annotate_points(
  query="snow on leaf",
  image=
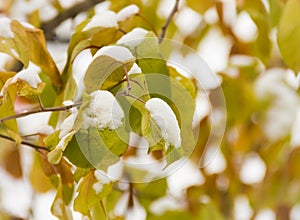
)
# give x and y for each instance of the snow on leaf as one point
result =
(119, 53)
(165, 118)
(133, 38)
(127, 12)
(102, 180)
(29, 75)
(103, 111)
(106, 19)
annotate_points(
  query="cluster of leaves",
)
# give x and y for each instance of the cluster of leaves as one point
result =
(72, 161)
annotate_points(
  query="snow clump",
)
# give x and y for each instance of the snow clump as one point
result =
(103, 111)
(165, 118)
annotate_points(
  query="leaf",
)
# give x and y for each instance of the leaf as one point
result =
(258, 13)
(31, 45)
(200, 5)
(104, 72)
(87, 197)
(12, 162)
(59, 208)
(95, 149)
(39, 181)
(148, 56)
(75, 156)
(63, 169)
(289, 34)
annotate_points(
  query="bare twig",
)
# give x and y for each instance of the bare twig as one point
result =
(51, 109)
(36, 147)
(49, 26)
(169, 19)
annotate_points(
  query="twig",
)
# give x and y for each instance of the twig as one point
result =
(49, 26)
(164, 28)
(127, 78)
(36, 147)
(51, 109)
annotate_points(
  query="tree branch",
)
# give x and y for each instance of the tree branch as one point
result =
(52, 109)
(169, 19)
(49, 26)
(36, 147)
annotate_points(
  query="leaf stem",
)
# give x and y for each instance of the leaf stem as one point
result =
(169, 19)
(43, 109)
(36, 147)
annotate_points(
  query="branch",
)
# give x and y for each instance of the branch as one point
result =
(49, 26)
(36, 147)
(52, 109)
(164, 28)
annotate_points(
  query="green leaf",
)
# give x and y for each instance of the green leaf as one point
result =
(75, 156)
(95, 149)
(258, 13)
(289, 34)
(104, 72)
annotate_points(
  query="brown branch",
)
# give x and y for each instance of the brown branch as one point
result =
(36, 147)
(169, 19)
(49, 26)
(51, 109)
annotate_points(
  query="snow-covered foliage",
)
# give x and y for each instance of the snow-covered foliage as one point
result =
(165, 118)
(133, 38)
(103, 112)
(127, 12)
(119, 53)
(29, 75)
(107, 19)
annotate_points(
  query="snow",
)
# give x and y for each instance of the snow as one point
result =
(177, 184)
(242, 209)
(80, 66)
(57, 206)
(244, 27)
(253, 169)
(134, 69)
(67, 125)
(127, 12)
(163, 204)
(103, 112)
(107, 19)
(133, 38)
(102, 180)
(29, 75)
(214, 161)
(187, 16)
(165, 118)
(265, 214)
(119, 53)
(283, 106)
(5, 30)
